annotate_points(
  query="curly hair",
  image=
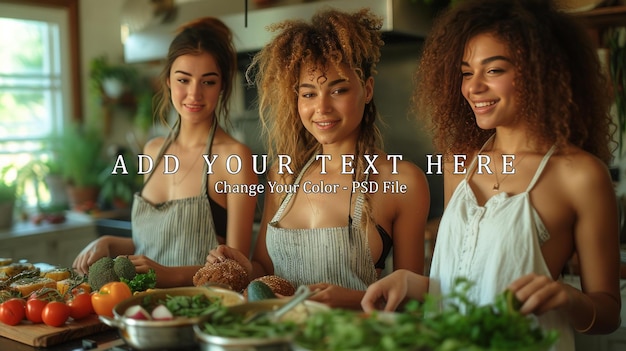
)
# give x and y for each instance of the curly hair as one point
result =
(557, 73)
(203, 35)
(331, 38)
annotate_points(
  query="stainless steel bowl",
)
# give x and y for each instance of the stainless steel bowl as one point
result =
(210, 342)
(176, 333)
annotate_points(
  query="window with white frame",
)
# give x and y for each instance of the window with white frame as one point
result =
(35, 82)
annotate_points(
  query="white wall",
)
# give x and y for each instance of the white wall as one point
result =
(99, 35)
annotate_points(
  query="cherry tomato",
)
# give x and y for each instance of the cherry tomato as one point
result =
(109, 295)
(34, 309)
(80, 306)
(55, 314)
(12, 311)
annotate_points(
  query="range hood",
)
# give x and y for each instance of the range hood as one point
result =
(402, 19)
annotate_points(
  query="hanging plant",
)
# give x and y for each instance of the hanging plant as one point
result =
(111, 79)
(617, 68)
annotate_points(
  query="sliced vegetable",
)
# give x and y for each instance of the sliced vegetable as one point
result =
(137, 312)
(161, 313)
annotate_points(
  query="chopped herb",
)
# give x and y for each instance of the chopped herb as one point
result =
(141, 281)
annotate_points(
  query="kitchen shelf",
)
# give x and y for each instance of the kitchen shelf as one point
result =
(602, 17)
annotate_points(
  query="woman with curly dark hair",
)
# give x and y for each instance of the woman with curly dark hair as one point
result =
(316, 96)
(519, 109)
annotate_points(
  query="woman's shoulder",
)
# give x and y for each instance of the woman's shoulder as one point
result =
(579, 168)
(226, 144)
(392, 166)
(153, 145)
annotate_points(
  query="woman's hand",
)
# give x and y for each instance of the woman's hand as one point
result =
(387, 293)
(222, 252)
(91, 253)
(540, 294)
(335, 296)
(143, 264)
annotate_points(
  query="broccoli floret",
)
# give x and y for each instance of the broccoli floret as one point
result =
(101, 272)
(124, 268)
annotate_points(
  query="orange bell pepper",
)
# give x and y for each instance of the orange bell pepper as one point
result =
(109, 295)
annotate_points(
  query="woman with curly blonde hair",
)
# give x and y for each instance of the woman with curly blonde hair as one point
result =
(515, 90)
(316, 99)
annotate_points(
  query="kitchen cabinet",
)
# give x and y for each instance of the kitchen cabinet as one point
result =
(56, 244)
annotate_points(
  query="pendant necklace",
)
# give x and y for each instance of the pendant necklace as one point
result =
(178, 181)
(496, 185)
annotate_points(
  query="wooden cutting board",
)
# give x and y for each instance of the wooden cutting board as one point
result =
(41, 335)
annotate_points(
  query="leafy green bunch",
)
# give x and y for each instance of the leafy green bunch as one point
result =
(460, 325)
(464, 325)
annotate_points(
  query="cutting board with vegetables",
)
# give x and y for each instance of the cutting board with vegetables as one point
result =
(41, 335)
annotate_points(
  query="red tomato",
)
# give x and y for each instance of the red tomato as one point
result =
(80, 306)
(55, 314)
(34, 309)
(12, 311)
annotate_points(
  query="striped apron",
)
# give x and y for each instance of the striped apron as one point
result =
(339, 256)
(177, 232)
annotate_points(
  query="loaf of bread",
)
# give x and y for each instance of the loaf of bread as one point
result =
(279, 285)
(229, 272)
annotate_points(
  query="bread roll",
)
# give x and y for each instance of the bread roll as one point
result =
(228, 272)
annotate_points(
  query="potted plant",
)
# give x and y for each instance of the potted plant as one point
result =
(117, 190)
(110, 79)
(8, 195)
(43, 173)
(78, 154)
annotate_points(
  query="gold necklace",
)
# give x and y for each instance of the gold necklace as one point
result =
(496, 185)
(174, 180)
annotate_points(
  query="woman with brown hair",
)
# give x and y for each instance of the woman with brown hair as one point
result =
(515, 90)
(177, 218)
(330, 216)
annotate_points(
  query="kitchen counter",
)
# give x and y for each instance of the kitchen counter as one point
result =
(56, 244)
(105, 341)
